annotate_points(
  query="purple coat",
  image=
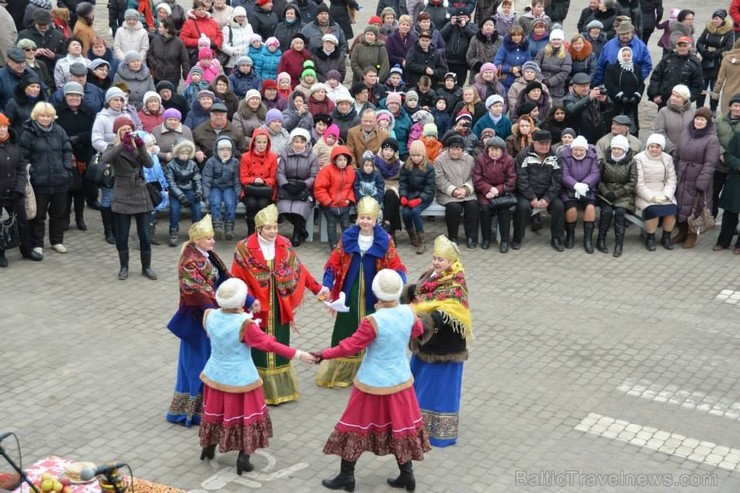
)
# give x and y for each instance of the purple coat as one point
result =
(575, 171)
(398, 47)
(698, 152)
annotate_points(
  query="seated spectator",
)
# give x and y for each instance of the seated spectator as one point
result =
(495, 118)
(656, 191)
(221, 186)
(325, 144)
(581, 176)
(258, 175)
(152, 112)
(616, 192)
(186, 188)
(494, 177)
(170, 132)
(417, 189)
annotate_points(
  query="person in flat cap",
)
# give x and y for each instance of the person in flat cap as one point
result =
(539, 176)
(200, 272)
(714, 42)
(50, 42)
(585, 108)
(625, 37)
(620, 126)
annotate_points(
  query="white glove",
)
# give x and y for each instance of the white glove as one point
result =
(581, 189)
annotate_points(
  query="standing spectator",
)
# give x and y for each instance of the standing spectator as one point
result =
(46, 147)
(586, 108)
(679, 67)
(457, 35)
(132, 36)
(625, 37)
(494, 176)
(423, 60)
(727, 127)
(236, 34)
(32, 6)
(595, 36)
(728, 78)
(263, 19)
(652, 13)
(538, 183)
(167, 57)
(506, 17)
(625, 86)
(329, 58)
(535, 13)
(63, 67)
(134, 72)
(83, 26)
(400, 42)
(334, 192)
(511, 56)
(587, 15)
(483, 47)
(584, 59)
(716, 39)
(324, 24)
(291, 23)
(617, 191)
(369, 52)
(556, 64)
(729, 197)
(674, 117)
(293, 59)
(33, 63)
(25, 97)
(200, 24)
(495, 118)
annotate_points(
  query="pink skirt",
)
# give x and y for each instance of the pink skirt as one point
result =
(381, 424)
(235, 421)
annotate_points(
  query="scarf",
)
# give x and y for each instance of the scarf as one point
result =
(447, 294)
(625, 66)
(618, 159)
(42, 128)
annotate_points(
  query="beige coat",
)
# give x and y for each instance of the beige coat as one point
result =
(8, 33)
(450, 174)
(654, 177)
(358, 145)
(728, 78)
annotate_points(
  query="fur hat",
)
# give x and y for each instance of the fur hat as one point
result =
(535, 84)
(526, 108)
(542, 136)
(705, 113)
(184, 146)
(331, 38)
(232, 293)
(387, 285)
(455, 140)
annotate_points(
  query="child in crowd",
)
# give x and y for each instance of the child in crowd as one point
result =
(208, 64)
(321, 122)
(450, 91)
(255, 49)
(308, 79)
(285, 85)
(270, 97)
(269, 59)
(368, 182)
(420, 118)
(395, 82)
(389, 166)
(411, 102)
(334, 191)
(275, 130)
(431, 142)
(386, 122)
(334, 86)
(154, 175)
(426, 93)
(243, 77)
(221, 186)
(194, 84)
(326, 143)
(442, 118)
(186, 188)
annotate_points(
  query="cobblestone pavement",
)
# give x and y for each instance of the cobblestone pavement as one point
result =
(586, 371)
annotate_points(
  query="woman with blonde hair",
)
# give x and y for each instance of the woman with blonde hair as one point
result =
(556, 64)
(416, 189)
(471, 102)
(46, 147)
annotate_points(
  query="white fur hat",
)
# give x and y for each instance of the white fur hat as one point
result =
(232, 293)
(387, 285)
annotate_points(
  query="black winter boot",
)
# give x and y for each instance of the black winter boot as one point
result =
(345, 480)
(3, 260)
(604, 223)
(588, 236)
(146, 265)
(406, 479)
(109, 228)
(570, 235)
(153, 231)
(243, 464)
(123, 260)
(619, 227)
(650, 242)
(666, 240)
(229, 230)
(208, 452)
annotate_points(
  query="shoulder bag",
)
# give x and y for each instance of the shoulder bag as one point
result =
(9, 234)
(701, 220)
(99, 172)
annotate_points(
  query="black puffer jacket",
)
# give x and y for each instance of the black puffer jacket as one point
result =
(417, 183)
(50, 155)
(168, 58)
(458, 40)
(417, 62)
(18, 109)
(712, 43)
(538, 179)
(13, 175)
(183, 177)
(673, 70)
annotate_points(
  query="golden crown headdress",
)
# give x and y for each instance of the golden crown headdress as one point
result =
(268, 215)
(201, 229)
(446, 249)
(368, 206)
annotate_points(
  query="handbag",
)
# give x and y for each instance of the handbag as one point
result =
(260, 191)
(30, 202)
(701, 220)
(9, 233)
(502, 201)
(302, 196)
(155, 193)
(100, 173)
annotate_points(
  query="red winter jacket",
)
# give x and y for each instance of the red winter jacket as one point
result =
(334, 187)
(195, 26)
(253, 165)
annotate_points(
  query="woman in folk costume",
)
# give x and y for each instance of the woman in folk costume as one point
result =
(235, 416)
(364, 249)
(440, 299)
(200, 272)
(269, 265)
(382, 415)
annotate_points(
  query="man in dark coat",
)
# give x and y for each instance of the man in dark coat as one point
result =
(424, 60)
(94, 97)
(679, 67)
(263, 20)
(12, 73)
(321, 25)
(586, 109)
(50, 42)
(539, 175)
(17, 9)
(457, 35)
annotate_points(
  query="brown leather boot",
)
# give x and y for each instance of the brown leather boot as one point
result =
(421, 245)
(413, 237)
(683, 230)
(690, 240)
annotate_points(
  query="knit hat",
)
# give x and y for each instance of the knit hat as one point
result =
(704, 112)
(300, 36)
(734, 99)
(224, 143)
(412, 95)
(299, 132)
(393, 97)
(252, 93)
(619, 141)
(530, 65)
(721, 13)
(239, 11)
(151, 94)
(387, 11)
(308, 71)
(99, 62)
(334, 74)
(430, 129)
(330, 37)
(165, 7)
(205, 53)
(196, 70)
(683, 91)
(205, 93)
(375, 19)
(532, 86)
(371, 29)
(268, 84)
(487, 133)
(580, 141)
(332, 129)
(656, 139)
(273, 115)
(232, 293)
(464, 115)
(121, 121)
(254, 37)
(4, 120)
(495, 141)
(384, 115)
(557, 34)
(319, 86)
(396, 69)
(322, 8)
(172, 113)
(491, 100)
(594, 24)
(357, 88)
(131, 14)
(272, 41)
(387, 285)
(131, 56)
(368, 156)
(390, 143)
(526, 108)
(113, 93)
(283, 76)
(487, 66)
(73, 88)
(244, 60)
(568, 131)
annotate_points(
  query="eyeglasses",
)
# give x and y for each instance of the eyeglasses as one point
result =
(28, 49)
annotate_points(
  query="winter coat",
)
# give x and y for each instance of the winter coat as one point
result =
(586, 116)
(314, 33)
(671, 121)
(369, 185)
(543, 104)
(183, 177)
(263, 22)
(168, 58)
(18, 109)
(196, 115)
(510, 55)
(673, 70)
(345, 121)
(491, 173)
(652, 13)
(528, 18)
(279, 103)
(13, 173)
(102, 130)
(555, 72)
(292, 62)
(130, 195)
(130, 39)
(697, 153)
(450, 174)
(316, 107)
(457, 41)
(502, 128)
(241, 83)
(51, 40)
(334, 187)
(640, 57)
(603, 145)
(538, 178)
(620, 179)
(221, 175)
(236, 40)
(78, 124)
(284, 32)
(390, 171)
(293, 119)
(677, 30)
(358, 145)
(8, 34)
(437, 9)
(712, 43)
(331, 61)
(728, 77)
(139, 83)
(61, 70)
(150, 120)
(630, 8)
(263, 166)
(585, 170)
(303, 167)
(481, 49)
(516, 88)
(730, 198)
(597, 44)
(402, 128)
(417, 62)
(108, 57)
(487, 89)
(557, 10)
(584, 61)
(194, 27)
(654, 177)
(268, 64)
(167, 139)
(398, 47)
(228, 98)
(417, 183)
(369, 55)
(50, 156)
(204, 137)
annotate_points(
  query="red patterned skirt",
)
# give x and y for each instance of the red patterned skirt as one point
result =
(235, 421)
(381, 424)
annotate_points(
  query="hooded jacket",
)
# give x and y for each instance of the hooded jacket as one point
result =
(219, 174)
(263, 166)
(334, 187)
(130, 39)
